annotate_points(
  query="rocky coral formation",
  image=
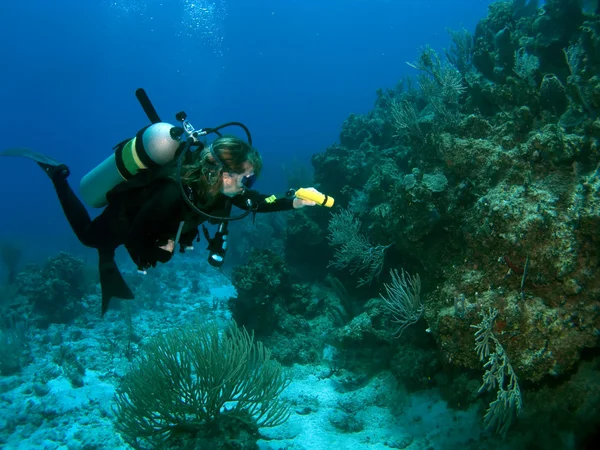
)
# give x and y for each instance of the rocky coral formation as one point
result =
(486, 181)
(50, 293)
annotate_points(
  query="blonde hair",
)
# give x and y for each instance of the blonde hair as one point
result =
(203, 174)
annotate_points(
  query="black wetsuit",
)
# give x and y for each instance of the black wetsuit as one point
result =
(142, 219)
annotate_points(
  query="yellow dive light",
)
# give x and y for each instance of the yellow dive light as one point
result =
(315, 196)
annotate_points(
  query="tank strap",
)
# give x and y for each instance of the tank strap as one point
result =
(141, 151)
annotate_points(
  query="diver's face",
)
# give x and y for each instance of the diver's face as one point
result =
(233, 183)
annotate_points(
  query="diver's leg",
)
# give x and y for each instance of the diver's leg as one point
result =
(55, 170)
(74, 210)
(92, 233)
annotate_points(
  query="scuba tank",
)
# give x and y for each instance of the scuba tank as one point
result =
(153, 146)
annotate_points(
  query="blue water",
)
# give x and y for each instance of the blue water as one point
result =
(291, 70)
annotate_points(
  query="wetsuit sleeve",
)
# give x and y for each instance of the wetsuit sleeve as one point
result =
(280, 204)
(142, 240)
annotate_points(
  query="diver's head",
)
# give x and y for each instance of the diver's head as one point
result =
(228, 166)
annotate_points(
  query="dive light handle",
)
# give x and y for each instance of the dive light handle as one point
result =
(315, 196)
(218, 246)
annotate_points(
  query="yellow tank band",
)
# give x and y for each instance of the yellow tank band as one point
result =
(136, 158)
(131, 161)
(270, 199)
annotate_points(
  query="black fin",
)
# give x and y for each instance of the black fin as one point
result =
(111, 281)
(27, 153)
(53, 168)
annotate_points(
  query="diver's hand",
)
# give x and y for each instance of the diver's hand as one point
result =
(301, 203)
(169, 246)
(148, 256)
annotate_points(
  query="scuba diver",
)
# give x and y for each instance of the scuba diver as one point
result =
(156, 193)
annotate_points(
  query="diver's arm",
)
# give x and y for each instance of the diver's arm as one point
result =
(277, 204)
(142, 242)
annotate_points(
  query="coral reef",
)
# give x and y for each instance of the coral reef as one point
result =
(486, 182)
(50, 293)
